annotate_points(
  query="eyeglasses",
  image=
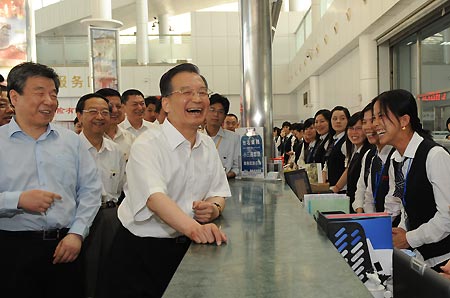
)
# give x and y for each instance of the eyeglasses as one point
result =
(94, 112)
(355, 128)
(188, 92)
(220, 112)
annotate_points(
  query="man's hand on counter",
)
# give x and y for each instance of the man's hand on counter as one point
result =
(208, 233)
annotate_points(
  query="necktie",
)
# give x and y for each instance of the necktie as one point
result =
(331, 143)
(399, 179)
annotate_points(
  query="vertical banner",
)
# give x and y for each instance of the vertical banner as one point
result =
(13, 37)
(104, 57)
(252, 152)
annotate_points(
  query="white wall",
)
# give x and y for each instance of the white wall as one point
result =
(339, 84)
(216, 50)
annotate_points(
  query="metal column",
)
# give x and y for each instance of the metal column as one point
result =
(257, 68)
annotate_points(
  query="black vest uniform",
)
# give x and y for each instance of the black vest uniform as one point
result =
(336, 162)
(319, 156)
(353, 173)
(285, 147)
(297, 148)
(368, 163)
(383, 186)
(420, 202)
(310, 157)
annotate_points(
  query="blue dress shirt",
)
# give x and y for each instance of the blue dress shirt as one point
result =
(57, 162)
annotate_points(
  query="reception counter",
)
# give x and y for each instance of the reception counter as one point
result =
(274, 249)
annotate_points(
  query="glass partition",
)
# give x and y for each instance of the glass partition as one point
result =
(74, 50)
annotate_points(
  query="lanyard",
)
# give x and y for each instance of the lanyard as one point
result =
(218, 142)
(406, 179)
(378, 178)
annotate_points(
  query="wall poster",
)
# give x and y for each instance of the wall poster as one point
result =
(13, 35)
(105, 57)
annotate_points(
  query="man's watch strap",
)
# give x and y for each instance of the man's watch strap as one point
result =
(218, 207)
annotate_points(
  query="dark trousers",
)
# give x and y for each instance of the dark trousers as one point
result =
(28, 270)
(96, 248)
(142, 266)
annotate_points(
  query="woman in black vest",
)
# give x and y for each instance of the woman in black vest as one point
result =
(357, 145)
(336, 153)
(322, 124)
(373, 183)
(310, 143)
(421, 169)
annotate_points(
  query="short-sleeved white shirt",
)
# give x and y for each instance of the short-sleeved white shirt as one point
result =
(111, 166)
(162, 160)
(136, 132)
(124, 139)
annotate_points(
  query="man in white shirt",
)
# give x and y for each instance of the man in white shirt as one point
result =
(114, 132)
(94, 113)
(227, 142)
(176, 187)
(134, 104)
(231, 122)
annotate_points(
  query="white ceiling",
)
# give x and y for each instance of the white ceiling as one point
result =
(125, 11)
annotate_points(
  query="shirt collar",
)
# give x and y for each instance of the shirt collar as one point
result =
(13, 127)
(339, 136)
(127, 124)
(175, 138)
(105, 144)
(411, 148)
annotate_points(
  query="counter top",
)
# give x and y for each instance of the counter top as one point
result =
(274, 249)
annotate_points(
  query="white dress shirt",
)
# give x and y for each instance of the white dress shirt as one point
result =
(438, 172)
(301, 159)
(162, 160)
(111, 166)
(124, 139)
(136, 132)
(364, 194)
(227, 144)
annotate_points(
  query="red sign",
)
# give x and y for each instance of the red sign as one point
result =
(433, 96)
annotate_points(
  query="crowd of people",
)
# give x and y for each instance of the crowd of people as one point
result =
(124, 198)
(384, 161)
(110, 212)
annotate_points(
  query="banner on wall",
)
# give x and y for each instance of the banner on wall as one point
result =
(104, 57)
(13, 37)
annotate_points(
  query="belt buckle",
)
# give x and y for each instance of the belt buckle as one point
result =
(50, 235)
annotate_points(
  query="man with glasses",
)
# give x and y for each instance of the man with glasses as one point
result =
(176, 187)
(93, 110)
(50, 191)
(227, 142)
(134, 104)
(114, 132)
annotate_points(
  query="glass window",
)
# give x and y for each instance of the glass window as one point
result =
(433, 64)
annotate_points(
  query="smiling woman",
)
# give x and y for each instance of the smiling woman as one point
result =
(421, 169)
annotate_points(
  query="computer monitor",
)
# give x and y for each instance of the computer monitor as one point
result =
(299, 183)
(414, 279)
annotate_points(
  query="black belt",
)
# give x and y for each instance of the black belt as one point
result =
(179, 239)
(109, 204)
(54, 234)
